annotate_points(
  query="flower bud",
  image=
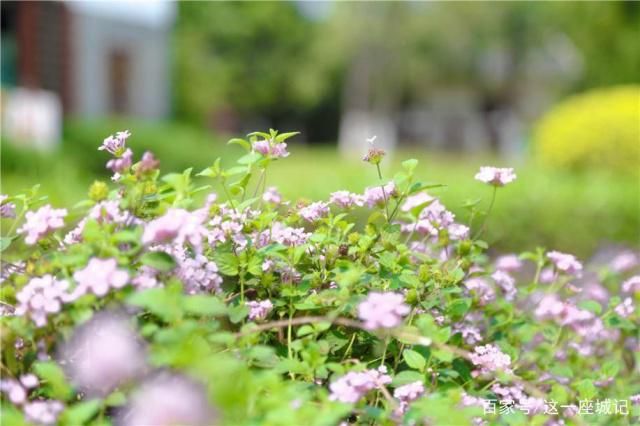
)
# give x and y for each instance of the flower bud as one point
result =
(98, 191)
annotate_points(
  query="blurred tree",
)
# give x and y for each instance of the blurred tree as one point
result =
(236, 59)
(242, 60)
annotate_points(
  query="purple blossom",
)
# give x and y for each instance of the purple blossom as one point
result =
(169, 399)
(41, 222)
(271, 149)
(406, 394)
(15, 391)
(458, 231)
(120, 164)
(375, 196)
(490, 358)
(115, 145)
(103, 353)
(632, 284)
(481, 288)
(43, 412)
(199, 274)
(374, 155)
(177, 225)
(288, 236)
(346, 199)
(626, 308)
(495, 176)
(314, 211)
(148, 163)
(351, 387)
(40, 297)
(382, 310)
(508, 263)
(416, 200)
(635, 399)
(506, 282)
(624, 261)
(98, 277)
(566, 263)
(259, 309)
(7, 210)
(271, 195)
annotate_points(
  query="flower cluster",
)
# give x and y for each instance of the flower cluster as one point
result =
(351, 387)
(406, 394)
(98, 277)
(490, 358)
(41, 297)
(259, 309)
(41, 222)
(566, 263)
(382, 310)
(271, 149)
(273, 302)
(496, 176)
(7, 210)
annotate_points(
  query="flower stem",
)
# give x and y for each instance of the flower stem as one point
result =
(484, 222)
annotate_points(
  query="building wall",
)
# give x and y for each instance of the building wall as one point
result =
(144, 54)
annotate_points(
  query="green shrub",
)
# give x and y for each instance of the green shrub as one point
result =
(599, 128)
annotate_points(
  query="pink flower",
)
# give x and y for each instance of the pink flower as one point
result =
(41, 297)
(351, 387)
(490, 358)
(271, 149)
(495, 176)
(416, 200)
(259, 309)
(40, 223)
(103, 353)
(458, 231)
(7, 210)
(314, 211)
(481, 288)
(506, 282)
(271, 195)
(508, 263)
(382, 310)
(115, 145)
(148, 162)
(199, 274)
(167, 400)
(626, 308)
(121, 164)
(43, 412)
(99, 276)
(177, 225)
(346, 199)
(566, 263)
(406, 394)
(624, 261)
(376, 196)
(632, 284)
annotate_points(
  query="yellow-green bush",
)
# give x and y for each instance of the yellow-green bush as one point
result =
(599, 128)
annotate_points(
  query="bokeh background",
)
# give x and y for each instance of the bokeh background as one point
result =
(548, 88)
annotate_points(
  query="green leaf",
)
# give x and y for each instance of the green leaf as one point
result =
(158, 260)
(80, 413)
(586, 389)
(159, 302)
(250, 158)
(410, 165)
(204, 305)
(591, 306)
(53, 376)
(406, 377)
(238, 313)
(5, 242)
(284, 136)
(414, 359)
(442, 355)
(237, 141)
(227, 263)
